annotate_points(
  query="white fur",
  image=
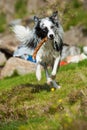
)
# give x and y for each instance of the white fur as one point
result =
(54, 71)
(38, 72)
(22, 33)
(46, 23)
(23, 52)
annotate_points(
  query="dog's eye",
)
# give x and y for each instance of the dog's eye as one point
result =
(45, 28)
(52, 27)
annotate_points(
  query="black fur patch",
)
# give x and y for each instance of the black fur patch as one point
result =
(41, 33)
(55, 23)
(57, 46)
(32, 43)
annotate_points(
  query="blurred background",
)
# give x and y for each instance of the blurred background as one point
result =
(72, 12)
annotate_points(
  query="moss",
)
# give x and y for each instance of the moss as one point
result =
(20, 8)
(76, 3)
(74, 14)
(2, 22)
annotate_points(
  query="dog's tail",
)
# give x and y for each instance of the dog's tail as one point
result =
(22, 33)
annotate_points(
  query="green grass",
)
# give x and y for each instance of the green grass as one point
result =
(74, 15)
(26, 104)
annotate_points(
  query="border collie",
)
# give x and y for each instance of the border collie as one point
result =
(50, 52)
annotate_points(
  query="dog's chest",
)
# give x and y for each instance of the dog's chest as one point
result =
(47, 53)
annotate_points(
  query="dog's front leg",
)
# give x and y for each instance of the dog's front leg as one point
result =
(38, 68)
(55, 67)
(38, 71)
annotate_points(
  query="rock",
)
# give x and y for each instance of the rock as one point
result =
(76, 58)
(20, 66)
(85, 50)
(85, 4)
(69, 51)
(76, 36)
(15, 22)
(2, 59)
(8, 43)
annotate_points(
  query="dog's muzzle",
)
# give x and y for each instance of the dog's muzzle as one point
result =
(51, 36)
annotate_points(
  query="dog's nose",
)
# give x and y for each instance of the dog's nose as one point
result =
(51, 36)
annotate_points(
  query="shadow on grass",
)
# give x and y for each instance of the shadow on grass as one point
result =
(35, 88)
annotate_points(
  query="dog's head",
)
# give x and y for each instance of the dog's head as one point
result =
(45, 27)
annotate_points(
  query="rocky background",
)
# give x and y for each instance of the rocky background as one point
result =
(72, 14)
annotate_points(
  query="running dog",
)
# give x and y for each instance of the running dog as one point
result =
(50, 52)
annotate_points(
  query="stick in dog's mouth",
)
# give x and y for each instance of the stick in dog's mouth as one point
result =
(38, 47)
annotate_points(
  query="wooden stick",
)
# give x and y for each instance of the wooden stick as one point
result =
(38, 47)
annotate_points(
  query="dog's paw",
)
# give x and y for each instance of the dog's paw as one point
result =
(58, 87)
(55, 85)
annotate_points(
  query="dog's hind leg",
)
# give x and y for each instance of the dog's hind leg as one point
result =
(55, 84)
(50, 81)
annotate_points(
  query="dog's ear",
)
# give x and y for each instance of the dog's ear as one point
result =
(36, 19)
(54, 17)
